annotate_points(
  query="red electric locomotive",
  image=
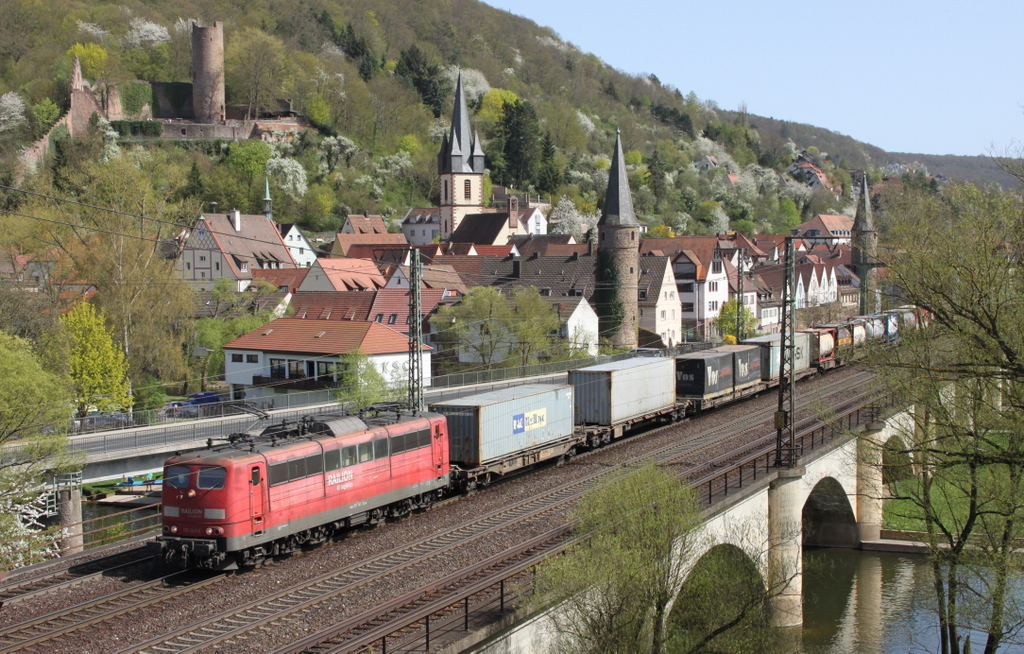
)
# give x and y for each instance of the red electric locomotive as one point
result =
(298, 484)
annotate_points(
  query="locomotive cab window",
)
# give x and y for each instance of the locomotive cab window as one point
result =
(210, 478)
(365, 452)
(255, 476)
(380, 448)
(348, 456)
(332, 459)
(176, 476)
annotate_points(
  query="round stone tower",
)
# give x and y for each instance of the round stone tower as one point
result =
(618, 258)
(208, 73)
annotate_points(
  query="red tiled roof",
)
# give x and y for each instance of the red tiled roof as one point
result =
(367, 223)
(343, 242)
(323, 338)
(351, 274)
(332, 305)
(285, 277)
(395, 302)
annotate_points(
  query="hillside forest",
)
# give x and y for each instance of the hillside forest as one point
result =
(376, 80)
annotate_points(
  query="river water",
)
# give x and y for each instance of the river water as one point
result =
(872, 603)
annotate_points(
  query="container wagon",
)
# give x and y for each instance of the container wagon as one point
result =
(713, 377)
(771, 355)
(613, 397)
(495, 433)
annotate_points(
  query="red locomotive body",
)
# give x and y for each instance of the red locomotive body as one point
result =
(292, 486)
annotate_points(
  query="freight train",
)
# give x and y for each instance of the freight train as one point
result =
(300, 483)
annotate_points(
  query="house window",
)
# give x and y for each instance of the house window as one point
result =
(643, 293)
(716, 267)
(687, 307)
(252, 358)
(216, 265)
(686, 288)
(712, 287)
(277, 368)
(202, 275)
(188, 266)
(444, 195)
(467, 190)
(380, 317)
(296, 369)
(202, 257)
(392, 318)
(576, 292)
(236, 358)
(662, 314)
(713, 305)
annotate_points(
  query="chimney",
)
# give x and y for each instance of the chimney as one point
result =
(590, 248)
(517, 269)
(213, 207)
(236, 219)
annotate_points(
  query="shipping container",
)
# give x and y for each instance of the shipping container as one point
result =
(617, 392)
(718, 371)
(771, 353)
(746, 367)
(489, 426)
(704, 374)
(822, 343)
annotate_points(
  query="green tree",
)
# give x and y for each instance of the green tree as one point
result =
(93, 59)
(728, 320)
(255, 64)
(361, 383)
(35, 411)
(520, 128)
(550, 176)
(533, 324)
(44, 114)
(615, 586)
(956, 255)
(479, 324)
(424, 76)
(97, 367)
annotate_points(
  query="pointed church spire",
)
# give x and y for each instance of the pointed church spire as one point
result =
(460, 151)
(266, 199)
(618, 202)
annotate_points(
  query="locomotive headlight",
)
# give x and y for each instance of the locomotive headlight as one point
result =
(191, 492)
(209, 531)
(174, 529)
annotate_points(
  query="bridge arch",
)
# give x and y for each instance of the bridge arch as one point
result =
(828, 517)
(723, 588)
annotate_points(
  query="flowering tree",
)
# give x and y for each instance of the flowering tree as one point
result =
(289, 175)
(145, 34)
(12, 111)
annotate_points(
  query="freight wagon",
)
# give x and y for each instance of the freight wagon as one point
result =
(718, 376)
(495, 433)
(612, 398)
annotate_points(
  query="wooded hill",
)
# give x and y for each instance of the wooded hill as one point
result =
(375, 77)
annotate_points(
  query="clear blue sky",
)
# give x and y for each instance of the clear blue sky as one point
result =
(936, 77)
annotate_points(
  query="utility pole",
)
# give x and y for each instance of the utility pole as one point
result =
(785, 417)
(739, 296)
(415, 335)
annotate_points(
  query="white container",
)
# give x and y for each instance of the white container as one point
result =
(490, 426)
(614, 393)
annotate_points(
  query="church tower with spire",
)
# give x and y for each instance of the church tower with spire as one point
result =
(865, 253)
(460, 164)
(618, 258)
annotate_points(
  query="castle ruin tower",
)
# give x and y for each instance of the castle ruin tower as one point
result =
(865, 253)
(460, 164)
(618, 258)
(208, 73)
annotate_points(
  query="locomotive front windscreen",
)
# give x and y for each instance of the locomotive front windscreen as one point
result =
(176, 476)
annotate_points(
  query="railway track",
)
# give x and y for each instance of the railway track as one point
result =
(58, 574)
(237, 624)
(34, 634)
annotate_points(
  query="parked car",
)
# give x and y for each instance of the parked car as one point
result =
(101, 420)
(180, 409)
(206, 398)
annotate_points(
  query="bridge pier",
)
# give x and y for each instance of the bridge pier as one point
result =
(69, 513)
(869, 482)
(785, 547)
